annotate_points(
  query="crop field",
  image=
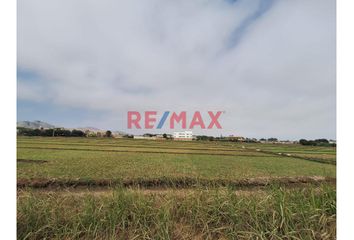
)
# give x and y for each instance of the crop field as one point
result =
(105, 188)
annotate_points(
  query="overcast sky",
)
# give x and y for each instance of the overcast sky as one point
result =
(269, 64)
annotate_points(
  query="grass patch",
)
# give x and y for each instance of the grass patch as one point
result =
(181, 190)
(308, 213)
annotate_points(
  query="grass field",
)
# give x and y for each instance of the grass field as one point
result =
(87, 188)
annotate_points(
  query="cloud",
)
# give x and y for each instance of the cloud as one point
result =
(269, 64)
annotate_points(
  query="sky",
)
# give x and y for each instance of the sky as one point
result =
(269, 65)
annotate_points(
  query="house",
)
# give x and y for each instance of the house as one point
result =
(184, 136)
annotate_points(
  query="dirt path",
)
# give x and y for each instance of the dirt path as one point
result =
(281, 154)
(177, 183)
(161, 193)
(221, 153)
(31, 161)
(156, 192)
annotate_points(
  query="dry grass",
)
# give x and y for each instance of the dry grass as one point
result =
(308, 213)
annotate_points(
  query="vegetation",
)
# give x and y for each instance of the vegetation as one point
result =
(54, 132)
(318, 142)
(134, 159)
(107, 188)
(200, 214)
(272, 139)
(108, 133)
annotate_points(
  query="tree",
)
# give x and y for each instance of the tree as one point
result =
(322, 140)
(148, 135)
(62, 132)
(202, 138)
(164, 135)
(272, 139)
(28, 132)
(36, 132)
(47, 133)
(108, 133)
(77, 133)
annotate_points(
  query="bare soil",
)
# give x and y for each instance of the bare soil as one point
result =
(172, 183)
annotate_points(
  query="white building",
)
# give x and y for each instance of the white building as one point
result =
(186, 135)
(144, 137)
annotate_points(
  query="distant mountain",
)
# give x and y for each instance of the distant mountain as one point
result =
(40, 124)
(35, 124)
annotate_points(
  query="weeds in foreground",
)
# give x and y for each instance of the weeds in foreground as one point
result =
(277, 213)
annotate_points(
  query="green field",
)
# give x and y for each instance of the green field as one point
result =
(102, 188)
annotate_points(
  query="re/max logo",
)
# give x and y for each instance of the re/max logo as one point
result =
(180, 118)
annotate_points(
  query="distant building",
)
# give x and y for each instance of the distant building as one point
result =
(144, 137)
(117, 135)
(186, 135)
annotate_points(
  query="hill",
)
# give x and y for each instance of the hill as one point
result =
(35, 124)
